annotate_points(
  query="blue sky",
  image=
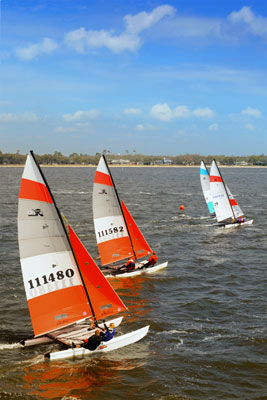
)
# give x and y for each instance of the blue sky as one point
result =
(153, 77)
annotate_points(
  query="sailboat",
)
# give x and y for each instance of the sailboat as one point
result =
(227, 210)
(118, 236)
(67, 294)
(205, 184)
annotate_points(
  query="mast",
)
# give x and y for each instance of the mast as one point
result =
(120, 205)
(225, 188)
(64, 228)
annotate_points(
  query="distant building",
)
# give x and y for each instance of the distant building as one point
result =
(241, 163)
(120, 161)
(163, 161)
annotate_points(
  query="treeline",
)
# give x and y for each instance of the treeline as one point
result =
(83, 159)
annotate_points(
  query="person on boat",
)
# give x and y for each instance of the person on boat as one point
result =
(129, 265)
(151, 261)
(241, 219)
(109, 333)
(93, 341)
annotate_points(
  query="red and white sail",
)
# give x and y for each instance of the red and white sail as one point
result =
(112, 235)
(225, 205)
(104, 300)
(235, 206)
(139, 243)
(54, 289)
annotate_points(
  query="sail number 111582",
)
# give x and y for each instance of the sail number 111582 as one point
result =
(110, 231)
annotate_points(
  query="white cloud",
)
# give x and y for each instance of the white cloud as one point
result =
(213, 127)
(203, 113)
(181, 112)
(256, 25)
(26, 116)
(82, 40)
(161, 112)
(47, 46)
(132, 111)
(81, 115)
(139, 22)
(252, 112)
(140, 127)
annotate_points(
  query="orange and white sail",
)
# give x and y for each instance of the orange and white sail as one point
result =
(54, 289)
(103, 298)
(139, 243)
(111, 231)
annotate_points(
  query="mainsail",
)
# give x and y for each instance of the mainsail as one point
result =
(57, 290)
(112, 235)
(117, 234)
(205, 184)
(224, 202)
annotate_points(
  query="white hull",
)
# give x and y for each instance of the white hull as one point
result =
(81, 332)
(148, 270)
(236, 225)
(113, 344)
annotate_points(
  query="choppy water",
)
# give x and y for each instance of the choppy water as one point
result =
(207, 311)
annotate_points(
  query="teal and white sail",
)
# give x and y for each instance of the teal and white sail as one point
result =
(205, 184)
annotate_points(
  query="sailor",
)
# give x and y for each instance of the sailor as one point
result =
(151, 261)
(129, 265)
(93, 341)
(109, 333)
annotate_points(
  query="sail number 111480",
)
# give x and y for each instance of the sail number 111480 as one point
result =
(45, 279)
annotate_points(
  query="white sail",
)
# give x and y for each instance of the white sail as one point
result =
(220, 198)
(205, 184)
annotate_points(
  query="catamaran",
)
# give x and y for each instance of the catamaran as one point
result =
(205, 184)
(227, 210)
(67, 294)
(118, 236)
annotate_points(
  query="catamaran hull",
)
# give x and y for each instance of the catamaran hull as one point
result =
(236, 225)
(148, 270)
(46, 339)
(115, 343)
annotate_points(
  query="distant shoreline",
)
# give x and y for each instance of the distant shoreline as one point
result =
(128, 166)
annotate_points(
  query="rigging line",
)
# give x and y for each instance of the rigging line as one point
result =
(64, 228)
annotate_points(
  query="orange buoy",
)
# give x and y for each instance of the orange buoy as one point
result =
(182, 207)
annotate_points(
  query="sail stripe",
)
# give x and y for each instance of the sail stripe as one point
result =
(103, 179)
(203, 171)
(32, 190)
(233, 202)
(214, 178)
